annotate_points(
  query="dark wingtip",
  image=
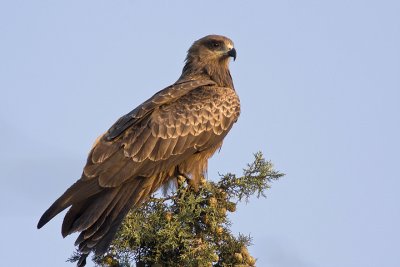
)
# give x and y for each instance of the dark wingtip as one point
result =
(43, 220)
(47, 216)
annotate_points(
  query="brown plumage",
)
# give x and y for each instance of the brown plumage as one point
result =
(172, 133)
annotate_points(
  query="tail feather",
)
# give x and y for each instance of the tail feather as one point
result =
(103, 244)
(104, 229)
(79, 191)
(98, 237)
(97, 212)
(73, 213)
(123, 193)
(82, 215)
(100, 247)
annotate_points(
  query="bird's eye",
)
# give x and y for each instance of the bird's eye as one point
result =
(215, 44)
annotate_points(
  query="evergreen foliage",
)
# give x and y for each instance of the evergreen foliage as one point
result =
(190, 227)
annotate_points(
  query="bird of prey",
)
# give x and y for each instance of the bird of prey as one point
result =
(171, 134)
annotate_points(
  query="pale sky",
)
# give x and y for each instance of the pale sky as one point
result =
(319, 83)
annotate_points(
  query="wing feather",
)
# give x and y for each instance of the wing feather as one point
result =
(194, 120)
(134, 146)
(164, 96)
(106, 168)
(160, 149)
(170, 148)
(180, 145)
(146, 149)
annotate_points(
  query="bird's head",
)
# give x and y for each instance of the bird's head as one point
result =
(210, 56)
(212, 49)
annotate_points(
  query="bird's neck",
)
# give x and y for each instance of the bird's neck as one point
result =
(219, 72)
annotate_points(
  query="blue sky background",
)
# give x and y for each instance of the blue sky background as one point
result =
(319, 83)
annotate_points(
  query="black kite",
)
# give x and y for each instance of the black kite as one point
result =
(173, 133)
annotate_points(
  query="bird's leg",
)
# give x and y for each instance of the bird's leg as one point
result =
(193, 185)
(181, 177)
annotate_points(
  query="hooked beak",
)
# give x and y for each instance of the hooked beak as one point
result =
(232, 53)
